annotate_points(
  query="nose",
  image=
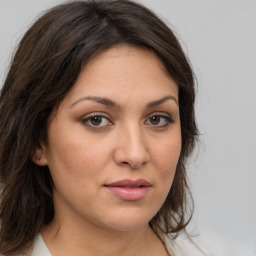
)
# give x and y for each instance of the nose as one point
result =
(131, 149)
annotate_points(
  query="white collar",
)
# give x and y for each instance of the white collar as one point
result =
(40, 248)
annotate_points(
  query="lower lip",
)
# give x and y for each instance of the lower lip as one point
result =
(129, 194)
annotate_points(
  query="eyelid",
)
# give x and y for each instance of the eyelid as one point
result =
(168, 117)
(87, 117)
(92, 114)
(162, 114)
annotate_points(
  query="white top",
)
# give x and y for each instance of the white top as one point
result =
(40, 248)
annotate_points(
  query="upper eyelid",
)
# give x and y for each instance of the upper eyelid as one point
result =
(103, 114)
(167, 116)
(159, 113)
(106, 115)
(92, 114)
(87, 118)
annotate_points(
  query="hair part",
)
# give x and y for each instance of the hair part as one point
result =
(45, 67)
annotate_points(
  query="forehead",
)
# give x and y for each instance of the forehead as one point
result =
(122, 72)
(122, 56)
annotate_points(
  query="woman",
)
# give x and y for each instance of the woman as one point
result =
(97, 122)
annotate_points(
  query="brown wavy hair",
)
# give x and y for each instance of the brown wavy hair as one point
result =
(44, 68)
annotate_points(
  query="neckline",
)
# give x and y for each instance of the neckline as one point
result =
(41, 249)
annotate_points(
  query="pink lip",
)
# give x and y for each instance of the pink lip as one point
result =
(129, 190)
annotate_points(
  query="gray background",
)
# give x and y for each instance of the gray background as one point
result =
(220, 39)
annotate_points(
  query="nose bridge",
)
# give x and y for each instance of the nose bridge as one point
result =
(135, 138)
(132, 146)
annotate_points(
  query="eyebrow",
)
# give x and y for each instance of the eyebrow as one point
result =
(111, 103)
(101, 100)
(162, 100)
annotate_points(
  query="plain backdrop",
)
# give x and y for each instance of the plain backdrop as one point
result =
(219, 38)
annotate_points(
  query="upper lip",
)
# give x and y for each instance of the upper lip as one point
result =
(130, 183)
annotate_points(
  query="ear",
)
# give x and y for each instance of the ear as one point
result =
(40, 157)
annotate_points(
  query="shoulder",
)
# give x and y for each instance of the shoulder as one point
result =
(183, 245)
(172, 246)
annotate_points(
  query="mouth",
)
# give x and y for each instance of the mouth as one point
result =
(129, 190)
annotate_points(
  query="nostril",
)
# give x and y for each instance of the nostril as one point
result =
(125, 163)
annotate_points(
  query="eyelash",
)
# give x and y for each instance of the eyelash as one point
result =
(167, 119)
(89, 119)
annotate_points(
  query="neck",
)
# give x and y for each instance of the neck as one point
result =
(87, 239)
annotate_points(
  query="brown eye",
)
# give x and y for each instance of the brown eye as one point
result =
(155, 120)
(96, 120)
(159, 121)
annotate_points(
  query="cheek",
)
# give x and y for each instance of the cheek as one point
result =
(167, 155)
(71, 155)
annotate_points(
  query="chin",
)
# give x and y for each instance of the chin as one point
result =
(128, 222)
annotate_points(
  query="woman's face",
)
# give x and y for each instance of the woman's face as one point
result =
(114, 141)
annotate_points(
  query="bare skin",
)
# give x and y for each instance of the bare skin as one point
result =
(141, 243)
(119, 121)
